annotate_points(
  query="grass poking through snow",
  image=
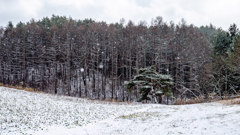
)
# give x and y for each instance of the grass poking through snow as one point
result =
(21, 111)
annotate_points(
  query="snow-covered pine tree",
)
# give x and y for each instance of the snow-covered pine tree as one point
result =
(149, 83)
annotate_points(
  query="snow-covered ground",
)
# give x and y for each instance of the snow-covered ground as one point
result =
(23, 112)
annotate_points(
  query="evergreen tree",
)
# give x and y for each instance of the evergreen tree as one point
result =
(209, 31)
(221, 43)
(10, 25)
(233, 31)
(150, 82)
(226, 77)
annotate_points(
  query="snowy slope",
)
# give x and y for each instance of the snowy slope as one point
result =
(23, 112)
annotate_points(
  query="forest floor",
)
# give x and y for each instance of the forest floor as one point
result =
(23, 112)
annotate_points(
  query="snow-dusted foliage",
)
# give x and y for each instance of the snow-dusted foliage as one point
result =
(150, 82)
(24, 112)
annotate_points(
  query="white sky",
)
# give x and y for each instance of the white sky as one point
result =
(221, 13)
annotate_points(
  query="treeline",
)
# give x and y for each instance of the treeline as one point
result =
(93, 59)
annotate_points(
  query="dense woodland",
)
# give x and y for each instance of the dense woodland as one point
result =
(91, 59)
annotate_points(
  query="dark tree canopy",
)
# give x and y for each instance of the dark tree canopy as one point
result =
(93, 59)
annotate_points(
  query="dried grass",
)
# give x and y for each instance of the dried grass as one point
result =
(18, 87)
(238, 95)
(196, 100)
(229, 101)
(6, 85)
(110, 101)
(236, 101)
(28, 89)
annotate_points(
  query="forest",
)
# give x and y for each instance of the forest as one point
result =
(94, 60)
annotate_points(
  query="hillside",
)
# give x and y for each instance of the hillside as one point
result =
(23, 112)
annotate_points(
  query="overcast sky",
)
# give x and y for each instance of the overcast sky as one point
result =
(221, 13)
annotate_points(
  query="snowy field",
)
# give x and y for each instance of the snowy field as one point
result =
(23, 112)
